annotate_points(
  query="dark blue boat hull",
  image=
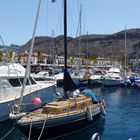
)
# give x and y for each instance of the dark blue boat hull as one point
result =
(51, 130)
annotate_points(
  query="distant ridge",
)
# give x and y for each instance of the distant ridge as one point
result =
(102, 45)
(12, 47)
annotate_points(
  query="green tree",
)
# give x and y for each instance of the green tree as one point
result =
(94, 58)
(19, 58)
(1, 56)
(39, 56)
(10, 55)
(50, 60)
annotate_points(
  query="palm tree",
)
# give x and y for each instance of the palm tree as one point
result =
(39, 56)
(10, 55)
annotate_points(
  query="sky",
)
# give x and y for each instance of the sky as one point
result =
(17, 18)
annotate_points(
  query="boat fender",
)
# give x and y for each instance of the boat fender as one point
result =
(89, 114)
(14, 116)
(102, 109)
(95, 136)
(103, 102)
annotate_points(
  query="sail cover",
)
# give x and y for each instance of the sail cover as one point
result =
(68, 84)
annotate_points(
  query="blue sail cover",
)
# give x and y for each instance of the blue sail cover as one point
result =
(90, 93)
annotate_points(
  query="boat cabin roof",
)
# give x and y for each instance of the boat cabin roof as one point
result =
(12, 70)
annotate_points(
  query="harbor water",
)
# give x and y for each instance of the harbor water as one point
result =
(122, 120)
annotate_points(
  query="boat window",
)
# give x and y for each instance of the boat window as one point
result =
(15, 82)
(116, 72)
(32, 81)
(98, 73)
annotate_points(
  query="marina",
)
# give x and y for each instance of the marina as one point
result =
(66, 86)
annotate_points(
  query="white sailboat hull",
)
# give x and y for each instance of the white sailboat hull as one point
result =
(97, 81)
(111, 82)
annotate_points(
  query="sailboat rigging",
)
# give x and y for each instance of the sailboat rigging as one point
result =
(76, 111)
(27, 72)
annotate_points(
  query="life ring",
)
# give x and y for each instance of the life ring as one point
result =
(103, 102)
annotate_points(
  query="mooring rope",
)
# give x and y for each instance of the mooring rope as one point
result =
(7, 133)
(42, 129)
(30, 131)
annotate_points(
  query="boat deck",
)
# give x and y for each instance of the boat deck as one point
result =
(59, 109)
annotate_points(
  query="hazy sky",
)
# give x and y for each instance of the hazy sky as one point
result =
(98, 17)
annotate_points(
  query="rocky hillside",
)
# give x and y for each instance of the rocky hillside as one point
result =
(98, 45)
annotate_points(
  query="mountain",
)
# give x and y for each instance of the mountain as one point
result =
(12, 47)
(103, 45)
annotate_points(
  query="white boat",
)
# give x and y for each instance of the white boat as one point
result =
(97, 77)
(112, 77)
(11, 79)
(43, 76)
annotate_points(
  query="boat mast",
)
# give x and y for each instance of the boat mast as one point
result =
(87, 51)
(29, 56)
(68, 83)
(52, 48)
(125, 52)
(80, 20)
(65, 44)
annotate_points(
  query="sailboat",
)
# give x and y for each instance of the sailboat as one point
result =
(114, 76)
(75, 110)
(126, 82)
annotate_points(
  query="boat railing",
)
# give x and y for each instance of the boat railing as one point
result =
(34, 88)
